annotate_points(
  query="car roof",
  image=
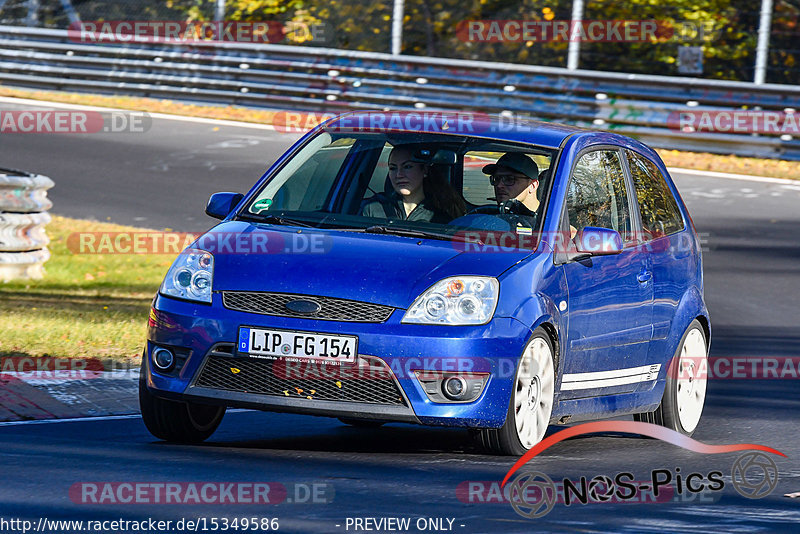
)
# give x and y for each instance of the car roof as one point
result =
(494, 127)
(469, 123)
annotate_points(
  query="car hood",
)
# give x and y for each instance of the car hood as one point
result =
(383, 269)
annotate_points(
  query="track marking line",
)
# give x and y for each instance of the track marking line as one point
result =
(202, 120)
(98, 418)
(72, 420)
(729, 176)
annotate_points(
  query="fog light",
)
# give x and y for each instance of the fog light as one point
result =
(455, 388)
(449, 387)
(163, 358)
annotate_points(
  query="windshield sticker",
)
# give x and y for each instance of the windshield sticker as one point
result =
(261, 205)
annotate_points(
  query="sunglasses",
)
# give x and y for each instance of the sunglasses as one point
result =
(507, 179)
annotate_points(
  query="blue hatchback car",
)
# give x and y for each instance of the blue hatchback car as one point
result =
(443, 269)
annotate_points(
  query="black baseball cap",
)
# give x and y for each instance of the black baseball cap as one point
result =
(516, 161)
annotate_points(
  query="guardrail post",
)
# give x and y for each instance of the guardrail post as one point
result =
(397, 27)
(762, 49)
(33, 13)
(72, 15)
(574, 48)
(23, 216)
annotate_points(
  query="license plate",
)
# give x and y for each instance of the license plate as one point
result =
(302, 345)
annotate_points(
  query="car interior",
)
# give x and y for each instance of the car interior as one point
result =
(346, 172)
(463, 171)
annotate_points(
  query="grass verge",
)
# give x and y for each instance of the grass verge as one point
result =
(673, 158)
(86, 306)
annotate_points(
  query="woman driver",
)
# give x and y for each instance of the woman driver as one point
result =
(419, 192)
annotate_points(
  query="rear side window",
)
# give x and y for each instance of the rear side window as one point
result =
(657, 206)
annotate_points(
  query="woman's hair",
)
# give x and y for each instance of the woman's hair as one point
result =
(439, 194)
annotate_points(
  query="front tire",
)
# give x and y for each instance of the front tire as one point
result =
(176, 421)
(531, 402)
(685, 392)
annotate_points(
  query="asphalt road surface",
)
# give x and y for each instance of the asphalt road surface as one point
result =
(163, 177)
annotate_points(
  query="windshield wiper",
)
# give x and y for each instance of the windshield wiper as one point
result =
(383, 229)
(409, 232)
(275, 219)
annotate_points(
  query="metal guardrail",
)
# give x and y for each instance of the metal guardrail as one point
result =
(330, 80)
(23, 216)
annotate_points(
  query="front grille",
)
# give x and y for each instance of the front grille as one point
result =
(331, 309)
(371, 381)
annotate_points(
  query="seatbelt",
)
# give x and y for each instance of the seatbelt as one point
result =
(389, 208)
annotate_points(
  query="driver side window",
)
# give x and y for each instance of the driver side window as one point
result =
(597, 196)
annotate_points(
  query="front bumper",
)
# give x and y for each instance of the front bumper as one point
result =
(194, 329)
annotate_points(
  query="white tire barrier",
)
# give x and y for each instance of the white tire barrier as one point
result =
(23, 217)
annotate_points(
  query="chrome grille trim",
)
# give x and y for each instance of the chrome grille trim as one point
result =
(332, 309)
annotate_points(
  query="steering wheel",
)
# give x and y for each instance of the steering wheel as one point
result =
(512, 206)
(490, 210)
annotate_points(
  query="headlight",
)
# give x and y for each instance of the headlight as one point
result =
(190, 276)
(460, 300)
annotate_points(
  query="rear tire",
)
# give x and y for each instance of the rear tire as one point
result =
(531, 403)
(361, 423)
(685, 391)
(176, 421)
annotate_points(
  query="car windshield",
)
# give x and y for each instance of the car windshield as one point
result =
(421, 185)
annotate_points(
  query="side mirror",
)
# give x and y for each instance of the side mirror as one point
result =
(596, 241)
(221, 204)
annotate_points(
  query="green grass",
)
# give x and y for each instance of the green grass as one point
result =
(86, 306)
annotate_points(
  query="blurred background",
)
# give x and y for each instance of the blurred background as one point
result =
(726, 30)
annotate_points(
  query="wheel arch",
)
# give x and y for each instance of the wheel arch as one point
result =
(552, 333)
(706, 324)
(690, 307)
(549, 318)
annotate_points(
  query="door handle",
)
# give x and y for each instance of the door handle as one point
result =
(645, 276)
